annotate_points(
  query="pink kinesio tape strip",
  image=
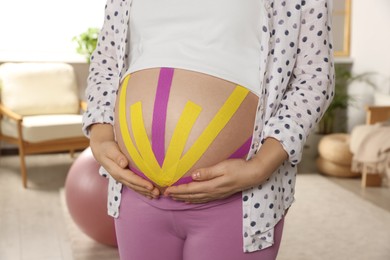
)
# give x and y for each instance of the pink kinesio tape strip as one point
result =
(160, 113)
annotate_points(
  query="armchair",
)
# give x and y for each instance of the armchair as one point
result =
(370, 145)
(40, 109)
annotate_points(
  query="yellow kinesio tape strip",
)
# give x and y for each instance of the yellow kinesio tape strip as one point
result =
(179, 138)
(219, 121)
(139, 162)
(173, 167)
(163, 176)
(141, 138)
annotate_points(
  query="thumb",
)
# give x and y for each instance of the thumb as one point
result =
(122, 161)
(208, 173)
(118, 157)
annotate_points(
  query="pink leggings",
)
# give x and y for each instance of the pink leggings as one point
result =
(146, 232)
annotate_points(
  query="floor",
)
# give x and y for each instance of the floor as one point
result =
(378, 196)
(31, 220)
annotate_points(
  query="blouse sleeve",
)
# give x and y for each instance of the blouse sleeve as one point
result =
(311, 85)
(104, 72)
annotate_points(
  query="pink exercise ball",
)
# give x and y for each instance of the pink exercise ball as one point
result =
(86, 198)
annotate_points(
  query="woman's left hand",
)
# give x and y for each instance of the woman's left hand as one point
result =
(230, 176)
(213, 183)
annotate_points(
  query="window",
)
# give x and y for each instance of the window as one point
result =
(341, 27)
(42, 30)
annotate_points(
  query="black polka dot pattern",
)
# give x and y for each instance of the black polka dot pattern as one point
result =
(297, 88)
(297, 85)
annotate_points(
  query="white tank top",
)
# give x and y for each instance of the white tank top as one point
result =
(217, 37)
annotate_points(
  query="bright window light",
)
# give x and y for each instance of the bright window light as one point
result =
(42, 30)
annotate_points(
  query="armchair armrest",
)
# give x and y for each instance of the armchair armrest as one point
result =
(377, 114)
(9, 113)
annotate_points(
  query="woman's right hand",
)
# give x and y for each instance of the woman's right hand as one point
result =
(106, 151)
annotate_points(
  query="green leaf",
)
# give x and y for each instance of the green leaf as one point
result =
(342, 99)
(86, 42)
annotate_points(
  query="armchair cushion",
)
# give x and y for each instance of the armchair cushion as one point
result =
(39, 88)
(45, 128)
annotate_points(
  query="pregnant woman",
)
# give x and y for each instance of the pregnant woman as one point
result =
(198, 112)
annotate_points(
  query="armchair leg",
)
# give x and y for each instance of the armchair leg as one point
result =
(23, 169)
(22, 155)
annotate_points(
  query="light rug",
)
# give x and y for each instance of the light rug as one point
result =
(325, 222)
(328, 222)
(82, 246)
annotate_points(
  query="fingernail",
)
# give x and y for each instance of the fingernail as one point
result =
(122, 163)
(196, 175)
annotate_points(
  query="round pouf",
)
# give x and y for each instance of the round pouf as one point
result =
(335, 157)
(335, 148)
(333, 169)
(86, 198)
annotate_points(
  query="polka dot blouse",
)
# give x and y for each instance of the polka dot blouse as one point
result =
(297, 84)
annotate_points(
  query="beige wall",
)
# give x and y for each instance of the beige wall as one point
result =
(370, 51)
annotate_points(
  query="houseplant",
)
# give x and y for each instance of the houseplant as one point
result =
(341, 99)
(336, 110)
(86, 42)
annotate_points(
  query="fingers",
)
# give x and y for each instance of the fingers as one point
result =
(112, 152)
(115, 162)
(140, 185)
(195, 192)
(209, 173)
(135, 182)
(212, 183)
(107, 152)
(206, 182)
(117, 156)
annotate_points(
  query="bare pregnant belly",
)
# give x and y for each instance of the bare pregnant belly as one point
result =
(169, 122)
